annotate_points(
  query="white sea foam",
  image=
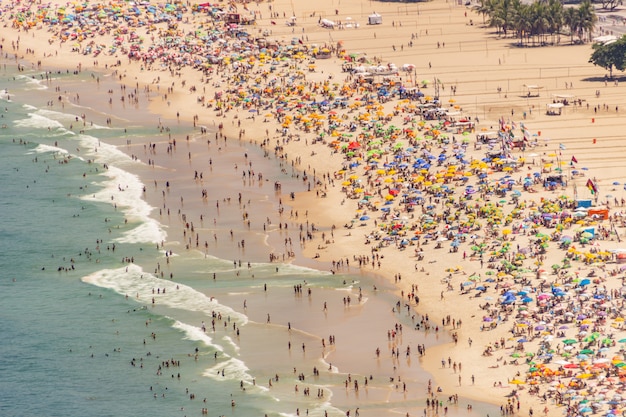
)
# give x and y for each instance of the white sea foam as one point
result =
(29, 107)
(122, 188)
(5, 95)
(290, 269)
(136, 283)
(38, 121)
(103, 152)
(234, 370)
(32, 83)
(57, 115)
(196, 334)
(126, 190)
(230, 341)
(95, 126)
(41, 148)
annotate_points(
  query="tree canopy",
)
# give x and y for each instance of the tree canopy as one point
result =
(610, 4)
(535, 22)
(610, 55)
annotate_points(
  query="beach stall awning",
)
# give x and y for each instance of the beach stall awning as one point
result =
(374, 19)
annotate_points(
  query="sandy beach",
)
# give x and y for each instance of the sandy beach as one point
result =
(492, 251)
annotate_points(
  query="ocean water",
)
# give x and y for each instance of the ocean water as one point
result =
(99, 318)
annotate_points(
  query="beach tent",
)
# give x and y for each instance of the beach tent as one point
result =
(532, 90)
(599, 213)
(591, 231)
(563, 98)
(553, 109)
(374, 19)
(325, 23)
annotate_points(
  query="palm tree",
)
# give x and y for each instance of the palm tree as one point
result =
(555, 18)
(536, 20)
(485, 7)
(523, 22)
(587, 19)
(571, 18)
(539, 16)
(507, 12)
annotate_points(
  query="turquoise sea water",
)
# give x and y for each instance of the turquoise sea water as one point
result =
(87, 331)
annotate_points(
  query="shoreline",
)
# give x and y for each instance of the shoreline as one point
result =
(325, 212)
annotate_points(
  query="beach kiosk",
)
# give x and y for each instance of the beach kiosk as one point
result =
(532, 90)
(374, 19)
(565, 99)
(554, 109)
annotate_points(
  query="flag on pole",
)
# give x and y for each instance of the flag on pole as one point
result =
(591, 186)
(574, 160)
